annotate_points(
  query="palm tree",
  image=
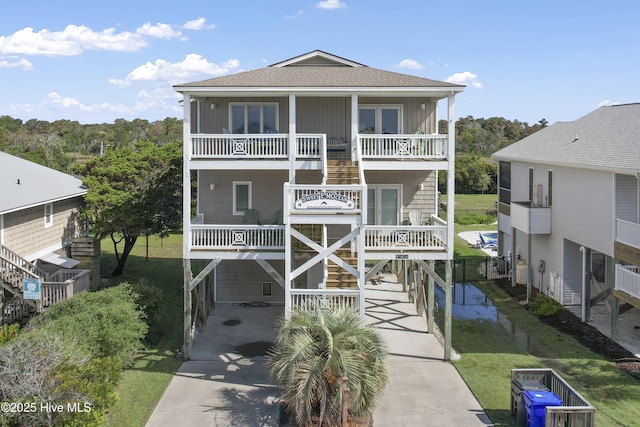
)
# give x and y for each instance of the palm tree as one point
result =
(314, 350)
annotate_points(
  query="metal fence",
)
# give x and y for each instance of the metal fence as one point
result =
(469, 269)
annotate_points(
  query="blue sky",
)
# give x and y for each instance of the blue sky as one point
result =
(96, 61)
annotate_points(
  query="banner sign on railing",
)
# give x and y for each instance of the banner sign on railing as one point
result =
(31, 288)
(325, 200)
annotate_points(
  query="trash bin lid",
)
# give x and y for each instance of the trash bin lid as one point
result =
(530, 385)
(534, 398)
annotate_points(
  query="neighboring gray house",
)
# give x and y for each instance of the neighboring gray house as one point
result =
(569, 209)
(39, 221)
(305, 169)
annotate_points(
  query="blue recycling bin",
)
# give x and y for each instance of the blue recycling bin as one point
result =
(536, 402)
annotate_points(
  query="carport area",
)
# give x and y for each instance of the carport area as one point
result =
(225, 383)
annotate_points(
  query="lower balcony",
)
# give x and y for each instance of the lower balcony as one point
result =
(268, 241)
(627, 284)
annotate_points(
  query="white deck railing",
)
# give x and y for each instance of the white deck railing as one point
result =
(628, 280)
(234, 237)
(413, 146)
(628, 233)
(307, 299)
(234, 146)
(310, 146)
(64, 284)
(392, 237)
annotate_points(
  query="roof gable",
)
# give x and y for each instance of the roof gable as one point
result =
(25, 184)
(317, 58)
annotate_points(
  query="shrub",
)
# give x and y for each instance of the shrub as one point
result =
(542, 305)
(150, 299)
(474, 218)
(38, 368)
(106, 323)
(8, 332)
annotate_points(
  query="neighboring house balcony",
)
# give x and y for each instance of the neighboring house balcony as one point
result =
(530, 219)
(627, 249)
(627, 284)
(274, 150)
(627, 243)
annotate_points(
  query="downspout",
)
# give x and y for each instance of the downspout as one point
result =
(584, 283)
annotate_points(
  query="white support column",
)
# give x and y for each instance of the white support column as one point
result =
(288, 253)
(292, 138)
(354, 125)
(451, 191)
(186, 221)
(451, 183)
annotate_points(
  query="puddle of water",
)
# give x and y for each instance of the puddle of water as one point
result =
(253, 349)
(470, 303)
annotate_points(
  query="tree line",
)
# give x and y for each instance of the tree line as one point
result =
(133, 169)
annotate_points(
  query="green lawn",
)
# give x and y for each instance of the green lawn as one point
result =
(143, 384)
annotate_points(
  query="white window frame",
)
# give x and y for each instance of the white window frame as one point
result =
(378, 115)
(246, 114)
(48, 215)
(236, 184)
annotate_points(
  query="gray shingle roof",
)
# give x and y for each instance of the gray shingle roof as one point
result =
(607, 138)
(319, 76)
(37, 184)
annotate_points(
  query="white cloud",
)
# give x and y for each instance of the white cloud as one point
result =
(26, 65)
(192, 65)
(465, 78)
(197, 24)
(410, 64)
(295, 15)
(159, 30)
(73, 40)
(330, 4)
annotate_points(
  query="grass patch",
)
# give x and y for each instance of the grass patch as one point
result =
(159, 265)
(489, 352)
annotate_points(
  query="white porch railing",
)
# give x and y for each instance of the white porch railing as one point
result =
(628, 280)
(309, 145)
(237, 237)
(413, 146)
(64, 284)
(234, 146)
(386, 237)
(307, 299)
(628, 233)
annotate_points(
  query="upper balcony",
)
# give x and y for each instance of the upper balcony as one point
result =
(276, 150)
(531, 219)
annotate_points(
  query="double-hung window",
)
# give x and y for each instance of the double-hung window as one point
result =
(48, 215)
(254, 118)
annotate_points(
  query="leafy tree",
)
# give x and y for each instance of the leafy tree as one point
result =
(314, 351)
(134, 191)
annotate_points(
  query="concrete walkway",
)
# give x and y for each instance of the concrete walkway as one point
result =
(225, 383)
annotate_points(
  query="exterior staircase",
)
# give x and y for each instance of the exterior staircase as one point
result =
(342, 172)
(13, 270)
